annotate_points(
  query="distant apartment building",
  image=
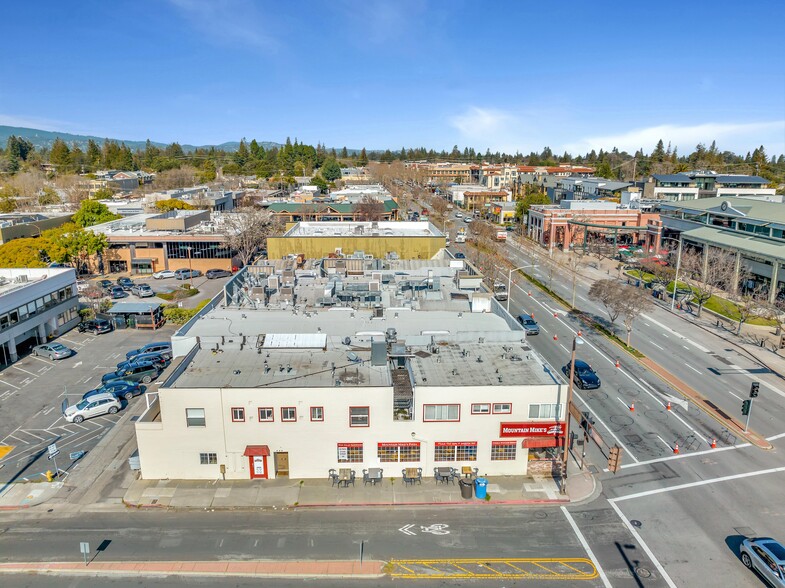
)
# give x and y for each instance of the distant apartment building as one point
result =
(443, 173)
(476, 197)
(706, 184)
(35, 304)
(575, 222)
(586, 188)
(180, 239)
(121, 181)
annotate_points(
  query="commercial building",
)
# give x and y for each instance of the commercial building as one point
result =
(180, 239)
(476, 197)
(19, 225)
(292, 212)
(35, 303)
(753, 228)
(374, 240)
(575, 222)
(586, 188)
(707, 184)
(389, 363)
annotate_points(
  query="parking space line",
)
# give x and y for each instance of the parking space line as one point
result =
(25, 371)
(8, 384)
(80, 426)
(43, 360)
(26, 432)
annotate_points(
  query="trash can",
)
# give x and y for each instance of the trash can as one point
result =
(466, 488)
(481, 487)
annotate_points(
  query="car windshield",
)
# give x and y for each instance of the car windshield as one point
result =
(529, 322)
(584, 371)
(82, 405)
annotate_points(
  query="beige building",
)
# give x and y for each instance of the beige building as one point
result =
(377, 240)
(402, 363)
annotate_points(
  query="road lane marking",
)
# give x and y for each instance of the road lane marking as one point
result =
(643, 545)
(735, 395)
(668, 445)
(623, 402)
(563, 347)
(667, 328)
(567, 568)
(685, 455)
(7, 384)
(586, 547)
(774, 437)
(599, 420)
(744, 372)
(693, 369)
(657, 346)
(25, 371)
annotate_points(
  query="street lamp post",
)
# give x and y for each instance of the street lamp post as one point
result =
(509, 282)
(678, 266)
(578, 340)
(190, 267)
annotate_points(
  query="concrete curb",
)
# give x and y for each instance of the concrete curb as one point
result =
(473, 502)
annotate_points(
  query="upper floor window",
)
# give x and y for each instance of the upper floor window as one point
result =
(359, 416)
(194, 417)
(442, 412)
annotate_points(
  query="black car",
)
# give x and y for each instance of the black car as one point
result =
(96, 327)
(217, 273)
(104, 284)
(120, 389)
(125, 283)
(117, 292)
(585, 376)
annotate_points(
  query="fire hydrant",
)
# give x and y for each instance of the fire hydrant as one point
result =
(49, 475)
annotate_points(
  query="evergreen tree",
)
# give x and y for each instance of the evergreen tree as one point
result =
(60, 154)
(658, 155)
(363, 159)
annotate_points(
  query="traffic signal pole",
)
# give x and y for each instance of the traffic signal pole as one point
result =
(749, 412)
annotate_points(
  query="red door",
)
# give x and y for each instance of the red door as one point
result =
(258, 466)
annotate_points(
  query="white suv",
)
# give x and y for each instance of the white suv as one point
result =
(96, 405)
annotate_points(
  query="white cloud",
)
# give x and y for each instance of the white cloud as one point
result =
(488, 128)
(34, 122)
(227, 22)
(738, 137)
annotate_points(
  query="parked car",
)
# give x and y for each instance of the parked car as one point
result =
(217, 273)
(120, 389)
(458, 215)
(105, 285)
(125, 283)
(82, 285)
(96, 326)
(159, 360)
(143, 371)
(530, 325)
(97, 405)
(161, 347)
(767, 557)
(117, 292)
(460, 255)
(585, 376)
(53, 351)
(142, 290)
(468, 219)
(184, 274)
(163, 274)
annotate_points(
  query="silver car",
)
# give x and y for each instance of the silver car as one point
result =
(52, 351)
(142, 290)
(97, 405)
(767, 557)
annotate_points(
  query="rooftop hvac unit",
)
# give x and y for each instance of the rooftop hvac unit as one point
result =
(272, 282)
(374, 286)
(21, 279)
(378, 312)
(287, 293)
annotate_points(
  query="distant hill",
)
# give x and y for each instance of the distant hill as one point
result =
(41, 138)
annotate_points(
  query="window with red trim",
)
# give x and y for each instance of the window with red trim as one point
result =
(288, 414)
(317, 413)
(266, 414)
(502, 408)
(238, 414)
(483, 408)
(359, 416)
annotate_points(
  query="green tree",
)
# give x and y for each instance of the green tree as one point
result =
(363, 159)
(93, 154)
(331, 170)
(172, 204)
(92, 212)
(320, 183)
(604, 171)
(523, 205)
(22, 253)
(60, 154)
(207, 173)
(48, 196)
(71, 243)
(103, 194)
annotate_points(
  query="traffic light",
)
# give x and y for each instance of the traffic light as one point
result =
(614, 459)
(754, 388)
(745, 407)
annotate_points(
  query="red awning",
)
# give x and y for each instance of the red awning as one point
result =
(536, 442)
(254, 450)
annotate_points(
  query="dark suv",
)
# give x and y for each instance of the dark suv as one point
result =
(144, 371)
(96, 327)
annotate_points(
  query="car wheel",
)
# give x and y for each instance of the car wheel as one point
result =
(35, 353)
(745, 559)
(128, 396)
(51, 357)
(147, 379)
(78, 419)
(95, 332)
(112, 410)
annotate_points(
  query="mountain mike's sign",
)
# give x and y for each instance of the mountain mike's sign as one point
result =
(531, 429)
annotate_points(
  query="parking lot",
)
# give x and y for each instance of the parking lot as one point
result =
(33, 389)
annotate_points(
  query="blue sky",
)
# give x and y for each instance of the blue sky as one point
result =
(573, 75)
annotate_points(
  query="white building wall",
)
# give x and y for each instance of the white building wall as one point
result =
(170, 449)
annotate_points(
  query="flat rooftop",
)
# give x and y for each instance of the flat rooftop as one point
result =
(291, 328)
(12, 279)
(364, 229)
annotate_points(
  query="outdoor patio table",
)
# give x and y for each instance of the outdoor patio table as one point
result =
(345, 477)
(375, 475)
(445, 475)
(412, 475)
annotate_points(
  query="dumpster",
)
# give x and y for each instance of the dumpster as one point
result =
(481, 487)
(466, 488)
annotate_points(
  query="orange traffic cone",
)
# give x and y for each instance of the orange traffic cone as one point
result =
(618, 364)
(676, 448)
(532, 315)
(668, 406)
(555, 337)
(714, 444)
(530, 292)
(632, 407)
(580, 333)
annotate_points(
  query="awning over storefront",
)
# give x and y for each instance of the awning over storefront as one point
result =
(256, 450)
(538, 442)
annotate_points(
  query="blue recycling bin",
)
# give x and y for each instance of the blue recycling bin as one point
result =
(481, 488)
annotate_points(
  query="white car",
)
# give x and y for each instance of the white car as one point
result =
(468, 219)
(163, 274)
(82, 285)
(458, 215)
(767, 557)
(97, 405)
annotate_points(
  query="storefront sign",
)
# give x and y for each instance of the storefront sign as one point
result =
(402, 444)
(454, 443)
(531, 429)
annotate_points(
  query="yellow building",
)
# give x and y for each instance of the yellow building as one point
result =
(315, 240)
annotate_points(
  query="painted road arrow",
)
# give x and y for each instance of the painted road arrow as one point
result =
(406, 530)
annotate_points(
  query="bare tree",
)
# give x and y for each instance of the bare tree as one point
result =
(369, 209)
(606, 292)
(707, 272)
(247, 231)
(633, 302)
(76, 188)
(176, 178)
(750, 304)
(573, 264)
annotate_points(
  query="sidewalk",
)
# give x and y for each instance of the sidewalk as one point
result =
(319, 493)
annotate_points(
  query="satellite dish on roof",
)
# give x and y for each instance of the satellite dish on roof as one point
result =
(347, 341)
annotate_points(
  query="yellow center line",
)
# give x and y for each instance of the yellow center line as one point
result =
(454, 568)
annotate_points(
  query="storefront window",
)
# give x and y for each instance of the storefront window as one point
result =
(392, 452)
(350, 453)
